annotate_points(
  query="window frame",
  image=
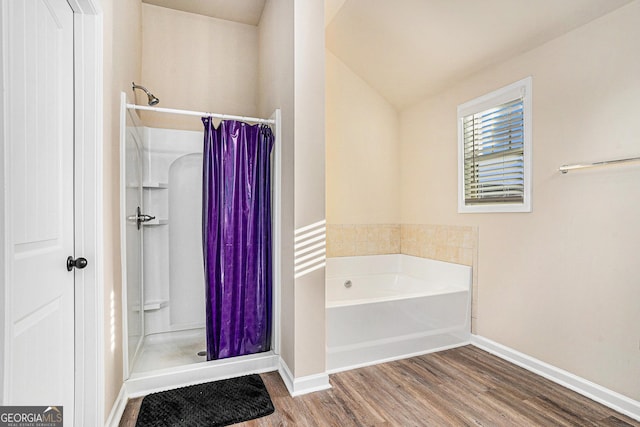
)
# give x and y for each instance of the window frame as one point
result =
(520, 89)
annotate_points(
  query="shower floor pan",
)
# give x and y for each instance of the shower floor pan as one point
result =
(171, 360)
(170, 349)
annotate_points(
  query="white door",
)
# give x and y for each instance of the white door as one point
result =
(37, 38)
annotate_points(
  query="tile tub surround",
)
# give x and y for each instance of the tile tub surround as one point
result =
(450, 243)
(362, 239)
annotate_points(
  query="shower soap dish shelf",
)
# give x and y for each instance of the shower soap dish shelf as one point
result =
(152, 305)
(155, 185)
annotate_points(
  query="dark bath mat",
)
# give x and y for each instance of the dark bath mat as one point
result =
(218, 403)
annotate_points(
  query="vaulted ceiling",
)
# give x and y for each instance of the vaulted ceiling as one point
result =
(409, 49)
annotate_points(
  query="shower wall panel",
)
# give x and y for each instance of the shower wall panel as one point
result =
(173, 273)
(186, 275)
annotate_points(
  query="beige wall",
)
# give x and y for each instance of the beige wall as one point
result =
(309, 178)
(291, 77)
(560, 283)
(363, 150)
(122, 55)
(276, 90)
(199, 63)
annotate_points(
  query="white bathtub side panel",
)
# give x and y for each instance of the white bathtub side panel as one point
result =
(411, 347)
(391, 321)
(368, 332)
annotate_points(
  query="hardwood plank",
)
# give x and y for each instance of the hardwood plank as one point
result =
(130, 414)
(460, 387)
(427, 403)
(614, 422)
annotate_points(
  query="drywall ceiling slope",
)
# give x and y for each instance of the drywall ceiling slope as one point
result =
(243, 11)
(409, 49)
(331, 8)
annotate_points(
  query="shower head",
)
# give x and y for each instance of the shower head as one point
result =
(152, 99)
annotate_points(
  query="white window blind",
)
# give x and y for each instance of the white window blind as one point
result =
(495, 151)
(494, 154)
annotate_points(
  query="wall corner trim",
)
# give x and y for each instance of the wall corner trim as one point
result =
(302, 385)
(593, 391)
(113, 420)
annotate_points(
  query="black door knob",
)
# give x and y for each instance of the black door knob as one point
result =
(77, 263)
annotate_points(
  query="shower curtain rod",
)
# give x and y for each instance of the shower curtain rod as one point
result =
(201, 114)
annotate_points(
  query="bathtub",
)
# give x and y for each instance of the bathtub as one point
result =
(387, 307)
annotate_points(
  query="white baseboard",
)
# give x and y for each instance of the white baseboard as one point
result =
(302, 385)
(593, 391)
(113, 420)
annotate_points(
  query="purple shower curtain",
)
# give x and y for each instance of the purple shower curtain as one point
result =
(236, 237)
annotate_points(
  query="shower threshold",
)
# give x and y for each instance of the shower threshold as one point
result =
(171, 360)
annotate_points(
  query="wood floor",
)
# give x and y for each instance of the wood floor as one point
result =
(460, 387)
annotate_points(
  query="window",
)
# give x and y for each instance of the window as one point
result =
(494, 151)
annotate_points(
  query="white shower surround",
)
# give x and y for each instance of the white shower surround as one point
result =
(397, 306)
(173, 272)
(164, 151)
